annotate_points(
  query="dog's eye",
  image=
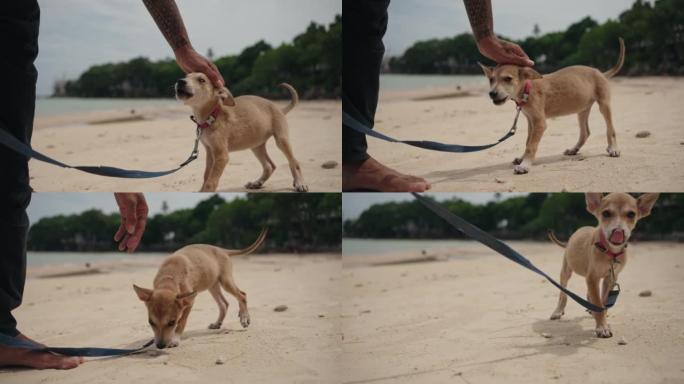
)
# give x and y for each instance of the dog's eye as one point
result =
(172, 323)
(508, 79)
(201, 80)
(631, 214)
(606, 214)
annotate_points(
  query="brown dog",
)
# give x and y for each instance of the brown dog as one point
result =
(233, 124)
(182, 275)
(591, 252)
(567, 91)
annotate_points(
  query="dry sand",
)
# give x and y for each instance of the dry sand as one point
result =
(164, 139)
(298, 345)
(647, 164)
(479, 318)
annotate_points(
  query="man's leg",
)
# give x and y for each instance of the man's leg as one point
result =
(19, 22)
(363, 25)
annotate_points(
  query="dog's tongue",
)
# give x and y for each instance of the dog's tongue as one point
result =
(617, 237)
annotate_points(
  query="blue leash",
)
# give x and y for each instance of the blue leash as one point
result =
(14, 144)
(498, 246)
(363, 127)
(85, 352)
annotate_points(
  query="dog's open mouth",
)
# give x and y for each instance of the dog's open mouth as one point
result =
(500, 101)
(183, 93)
(617, 237)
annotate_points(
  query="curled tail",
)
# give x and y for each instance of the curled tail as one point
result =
(621, 60)
(253, 247)
(293, 95)
(553, 238)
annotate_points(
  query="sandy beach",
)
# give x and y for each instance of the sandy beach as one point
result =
(299, 345)
(158, 139)
(479, 318)
(468, 117)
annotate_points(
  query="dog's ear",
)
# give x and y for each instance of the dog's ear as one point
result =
(645, 203)
(226, 97)
(185, 299)
(487, 70)
(144, 294)
(593, 201)
(528, 73)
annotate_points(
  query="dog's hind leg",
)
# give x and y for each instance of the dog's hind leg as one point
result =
(228, 283)
(604, 107)
(565, 275)
(583, 119)
(222, 305)
(267, 165)
(283, 144)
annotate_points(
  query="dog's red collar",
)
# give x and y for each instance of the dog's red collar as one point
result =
(210, 119)
(526, 94)
(602, 246)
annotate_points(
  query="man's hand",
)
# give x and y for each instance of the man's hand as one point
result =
(503, 52)
(133, 210)
(191, 61)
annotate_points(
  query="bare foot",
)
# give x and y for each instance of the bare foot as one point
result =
(35, 359)
(371, 174)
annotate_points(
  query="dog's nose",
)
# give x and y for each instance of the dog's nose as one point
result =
(180, 82)
(492, 94)
(161, 345)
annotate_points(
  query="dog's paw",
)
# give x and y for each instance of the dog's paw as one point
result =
(215, 325)
(244, 320)
(571, 151)
(603, 332)
(254, 185)
(613, 152)
(517, 160)
(301, 187)
(557, 315)
(520, 169)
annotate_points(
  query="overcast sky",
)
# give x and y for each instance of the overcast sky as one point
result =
(75, 34)
(52, 204)
(353, 204)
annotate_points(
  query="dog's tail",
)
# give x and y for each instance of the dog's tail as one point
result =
(253, 247)
(553, 238)
(621, 60)
(293, 95)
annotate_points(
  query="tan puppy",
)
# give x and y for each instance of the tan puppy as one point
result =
(182, 275)
(567, 91)
(591, 251)
(244, 122)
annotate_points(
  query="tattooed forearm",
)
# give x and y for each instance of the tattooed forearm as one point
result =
(165, 13)
(480, 16)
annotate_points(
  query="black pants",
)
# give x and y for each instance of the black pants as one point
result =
(19, 22)
(364, 23)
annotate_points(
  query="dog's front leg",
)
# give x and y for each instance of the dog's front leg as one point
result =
(220, 160)
(602, 328)
(180, 327)
(208, 166)
(536, 128)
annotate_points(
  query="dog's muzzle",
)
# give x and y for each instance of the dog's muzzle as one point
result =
(496, 99)
(182, 91)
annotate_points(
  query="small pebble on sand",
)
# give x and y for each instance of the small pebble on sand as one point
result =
(329, 164)
(622, 341)
(642, 134)
(221, 360)
(546, 335)
(500, 181)
(280, 308)
(646, 293)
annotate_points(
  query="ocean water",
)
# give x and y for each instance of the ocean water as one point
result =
(357, 247)
(67, 105)
(80, 258)
(397, 82)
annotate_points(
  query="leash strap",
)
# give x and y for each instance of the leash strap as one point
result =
(363, 127)
(14, 144)
(85, 352)
(497, 245)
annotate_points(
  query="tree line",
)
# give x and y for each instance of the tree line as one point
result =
(653, 34)
(524, 217)
(297, 223)
(312, 63)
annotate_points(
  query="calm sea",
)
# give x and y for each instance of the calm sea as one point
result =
(80, 258)
(391, 82)
(68, 105)
(356, 247)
